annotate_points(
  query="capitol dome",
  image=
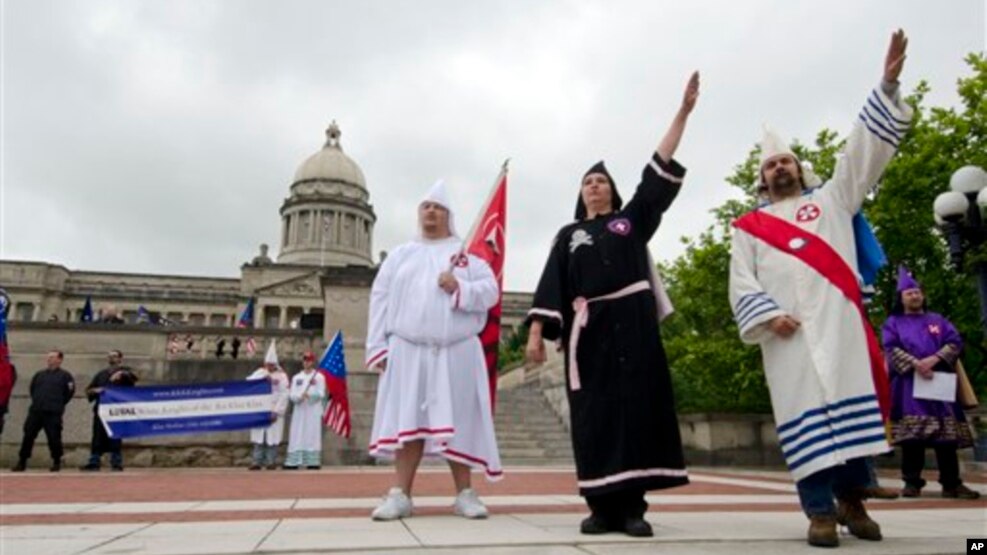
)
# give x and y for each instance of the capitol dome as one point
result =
(327, 218)
(331, 163)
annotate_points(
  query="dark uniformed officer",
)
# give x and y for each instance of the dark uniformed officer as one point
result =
(51, 389)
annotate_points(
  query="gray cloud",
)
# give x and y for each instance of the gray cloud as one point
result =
(161, 136)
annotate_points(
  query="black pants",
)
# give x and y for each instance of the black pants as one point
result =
(913, 461)
(51, 423)
(616, 507)
(102, 442)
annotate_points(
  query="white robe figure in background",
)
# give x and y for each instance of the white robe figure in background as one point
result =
(266, 440)
(308, 399)
(794, 289)
(427, 305)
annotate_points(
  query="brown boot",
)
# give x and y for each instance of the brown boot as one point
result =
(960, 492)
(878, 492)
(822, 531)
(851, 513)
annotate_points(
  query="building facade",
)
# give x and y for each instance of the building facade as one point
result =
(320, 278)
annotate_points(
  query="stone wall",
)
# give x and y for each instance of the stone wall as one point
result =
(146, 350)
(708, 439)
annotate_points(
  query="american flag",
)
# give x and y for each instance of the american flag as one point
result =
(333, 368)
(246, 319)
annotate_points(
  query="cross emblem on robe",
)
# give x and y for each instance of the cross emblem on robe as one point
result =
(808, 213)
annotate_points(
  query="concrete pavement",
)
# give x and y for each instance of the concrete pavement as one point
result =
(533, 510)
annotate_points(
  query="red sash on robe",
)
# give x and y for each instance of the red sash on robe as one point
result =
(815, 252)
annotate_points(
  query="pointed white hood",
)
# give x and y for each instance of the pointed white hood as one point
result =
(440, 196)
(772, 145)
(272, 355)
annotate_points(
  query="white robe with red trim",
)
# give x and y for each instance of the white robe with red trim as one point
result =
(435, 384)
(822, 392)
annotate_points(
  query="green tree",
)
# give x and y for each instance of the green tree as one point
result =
(940, 141)
(511, 349)
(713, 371)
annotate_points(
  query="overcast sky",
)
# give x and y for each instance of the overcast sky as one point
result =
(161, 136)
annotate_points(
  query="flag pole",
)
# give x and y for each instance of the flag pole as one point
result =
(476, 221)
(493, 189)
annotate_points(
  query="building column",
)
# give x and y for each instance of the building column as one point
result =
(293, 229)
(282, 317)
(339, 227)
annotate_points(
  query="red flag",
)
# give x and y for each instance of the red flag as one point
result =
(6, 368)
(487, 239)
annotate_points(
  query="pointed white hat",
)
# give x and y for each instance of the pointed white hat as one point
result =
(440, 196)
(773, 145)
(272, 355)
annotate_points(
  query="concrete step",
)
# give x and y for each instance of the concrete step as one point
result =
(539, 461)
(512, 433)
(512, 454)
(536, 429)
(518, 443)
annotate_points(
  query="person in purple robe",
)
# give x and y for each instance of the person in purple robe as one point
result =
(917, 345)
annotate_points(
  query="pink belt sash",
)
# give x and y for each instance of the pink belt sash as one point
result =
(580, 307)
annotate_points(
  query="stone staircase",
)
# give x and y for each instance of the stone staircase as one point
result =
(529, 432)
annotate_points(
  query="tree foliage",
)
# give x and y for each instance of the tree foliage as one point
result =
(511, 349)
(713, 371)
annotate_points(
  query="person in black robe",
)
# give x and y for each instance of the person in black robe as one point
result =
(115, 375)
(624, 429)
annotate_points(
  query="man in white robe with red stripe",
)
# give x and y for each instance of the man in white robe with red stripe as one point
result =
(795, 291)
(428, 304)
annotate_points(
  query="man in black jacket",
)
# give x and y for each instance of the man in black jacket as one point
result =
(51, 389)
(114, 375)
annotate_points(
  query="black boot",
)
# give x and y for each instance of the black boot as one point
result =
(637, 527)
(56, 465)
(21, 466)
(594, 524)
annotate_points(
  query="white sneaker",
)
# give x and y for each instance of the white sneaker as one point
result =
(396, 505)
(468, 505)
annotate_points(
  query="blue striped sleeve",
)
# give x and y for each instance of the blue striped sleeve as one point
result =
(876, 132)
(752, 305)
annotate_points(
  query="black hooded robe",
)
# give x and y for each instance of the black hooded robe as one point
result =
(625, 432)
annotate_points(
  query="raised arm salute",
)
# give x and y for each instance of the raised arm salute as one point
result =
(670, 142)
(599, 298)
(794, 289)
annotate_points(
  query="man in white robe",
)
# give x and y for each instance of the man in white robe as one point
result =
(266, 440)
(794, 289)
(308, 397)
(427, 305)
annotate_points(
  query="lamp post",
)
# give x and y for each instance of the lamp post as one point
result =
(961, 212)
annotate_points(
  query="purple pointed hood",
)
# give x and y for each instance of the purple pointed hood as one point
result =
(905, 280)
